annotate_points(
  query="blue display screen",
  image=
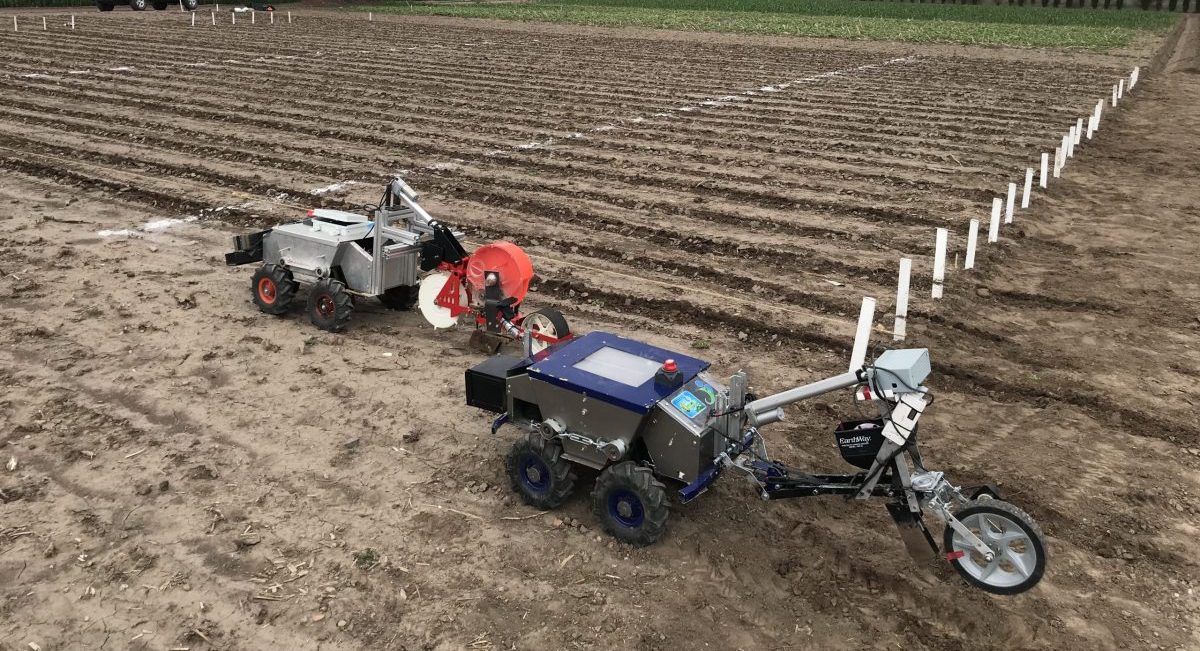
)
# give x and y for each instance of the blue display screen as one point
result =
(686, 402)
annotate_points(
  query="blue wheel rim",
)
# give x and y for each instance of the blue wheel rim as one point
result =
(625, 508)
(535, 475)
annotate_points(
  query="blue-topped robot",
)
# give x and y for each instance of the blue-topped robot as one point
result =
(645, 417)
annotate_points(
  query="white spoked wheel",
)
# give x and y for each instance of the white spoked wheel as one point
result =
(546, 321)
(427, 293)
(1017, 544)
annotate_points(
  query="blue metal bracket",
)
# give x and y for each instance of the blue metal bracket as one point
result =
(701, 484)
(499, 422)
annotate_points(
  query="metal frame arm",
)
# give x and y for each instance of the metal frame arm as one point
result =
(765, 405)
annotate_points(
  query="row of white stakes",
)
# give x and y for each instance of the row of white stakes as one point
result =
(1066, 150)
(233, 17)
(45, 25)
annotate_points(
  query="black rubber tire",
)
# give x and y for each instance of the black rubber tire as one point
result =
(636, 487)
(556, 480)
(105, 6)
(1022, 520)
(399, 298)
(329, 305)
(272, 289)
(137, 5)
(190, 5)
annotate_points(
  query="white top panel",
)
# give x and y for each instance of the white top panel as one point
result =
(619, 366)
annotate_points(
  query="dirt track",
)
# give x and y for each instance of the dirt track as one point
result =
(195, 474)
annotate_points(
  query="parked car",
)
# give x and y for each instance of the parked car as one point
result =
(140, 5)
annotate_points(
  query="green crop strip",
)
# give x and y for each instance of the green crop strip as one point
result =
(851, 19)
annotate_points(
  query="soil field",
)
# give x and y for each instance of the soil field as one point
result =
(191, 473)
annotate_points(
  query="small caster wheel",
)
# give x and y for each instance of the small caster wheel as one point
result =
(273, 289)
(539, 473)
(329, 305)
(630, 503)
(1016, 540)
(547, 321)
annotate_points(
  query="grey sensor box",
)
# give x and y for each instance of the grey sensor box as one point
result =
(902, 370)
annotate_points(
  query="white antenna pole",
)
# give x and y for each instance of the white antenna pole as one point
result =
(862, 336)
(899, 330)
(972, 241)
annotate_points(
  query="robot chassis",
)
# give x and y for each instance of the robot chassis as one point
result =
(402, 256)
(643, 417)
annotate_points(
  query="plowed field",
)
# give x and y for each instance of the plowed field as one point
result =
(191, 473)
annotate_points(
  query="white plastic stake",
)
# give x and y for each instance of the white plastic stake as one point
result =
(15, 23)
(72, 21)
(1008, 203)
(1057, 162)
(233, 18)
(994, 229)
(370, 17)
(939, 262)
(1028, 187)
(272, 14)
(289, 18)
(862, 336)
(1121, 88)
(193, 19)
(252, 15)
(1091, 125)
(1071, 142)
(44, 28)
(1099, 112)
(214, 18)
(1045, 164)
(1133, 78)
(1114, 97)
(1078, 130)
(972, 241)
(900, 328)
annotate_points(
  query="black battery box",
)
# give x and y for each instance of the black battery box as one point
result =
(487, 382)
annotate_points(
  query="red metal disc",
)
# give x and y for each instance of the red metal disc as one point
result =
(505, 259)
